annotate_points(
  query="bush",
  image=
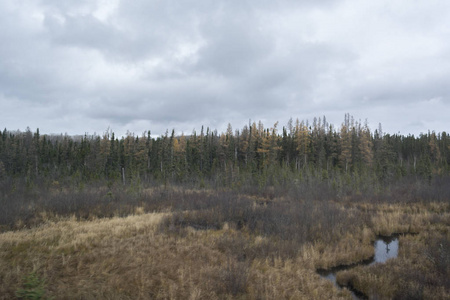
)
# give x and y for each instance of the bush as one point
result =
(33, 288)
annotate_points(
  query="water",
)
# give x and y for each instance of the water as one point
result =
(385, 248)
(331, 276)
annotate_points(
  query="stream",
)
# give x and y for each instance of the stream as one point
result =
(385, 248)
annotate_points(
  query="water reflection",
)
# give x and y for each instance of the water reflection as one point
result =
(385, 248)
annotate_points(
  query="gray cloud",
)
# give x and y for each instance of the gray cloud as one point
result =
(84, 66)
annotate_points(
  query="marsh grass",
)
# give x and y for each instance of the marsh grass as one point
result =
(173, 243)
(420, 271)
(28, 208)
(129, 258)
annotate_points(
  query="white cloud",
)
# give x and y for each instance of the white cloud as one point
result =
(81, 66)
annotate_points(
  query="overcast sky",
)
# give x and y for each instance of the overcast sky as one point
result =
(83, 66)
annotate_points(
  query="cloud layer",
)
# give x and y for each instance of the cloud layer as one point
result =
(84, 66)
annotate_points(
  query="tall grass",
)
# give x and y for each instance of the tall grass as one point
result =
(420, 272)
(138, 242)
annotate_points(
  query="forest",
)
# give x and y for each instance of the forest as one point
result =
(250, 213)
(252, 155)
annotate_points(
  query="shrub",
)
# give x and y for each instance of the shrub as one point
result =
(33, 288)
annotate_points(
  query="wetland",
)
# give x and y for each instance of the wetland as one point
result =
(247, 214)
(207, 244)
(385, 248)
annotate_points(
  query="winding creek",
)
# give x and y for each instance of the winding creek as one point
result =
(385, 248)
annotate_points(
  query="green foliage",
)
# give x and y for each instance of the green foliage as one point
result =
(33, 288)
(261, 155)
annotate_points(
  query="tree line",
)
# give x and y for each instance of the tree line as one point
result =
(255, 154)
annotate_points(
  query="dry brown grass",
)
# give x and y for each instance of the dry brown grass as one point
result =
(128, 258)
(349, 250)
(420, 271)
(411, 275)
(290, 279)
(133, 258)
(60, 250)
(402, 218)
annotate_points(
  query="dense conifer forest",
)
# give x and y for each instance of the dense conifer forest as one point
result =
(251, 155)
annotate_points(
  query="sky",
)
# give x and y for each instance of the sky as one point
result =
(88, 66)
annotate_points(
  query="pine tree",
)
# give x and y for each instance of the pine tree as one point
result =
(346, 144)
